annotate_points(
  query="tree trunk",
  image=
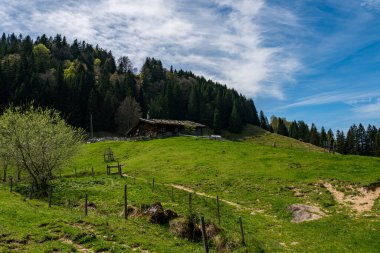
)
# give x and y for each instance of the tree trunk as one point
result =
(5, 171)
(43, 187)
(18, 172)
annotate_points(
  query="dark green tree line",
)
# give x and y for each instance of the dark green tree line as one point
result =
(81, 80)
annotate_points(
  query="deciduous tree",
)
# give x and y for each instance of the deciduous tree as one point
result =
(127, 115)
(40, 140)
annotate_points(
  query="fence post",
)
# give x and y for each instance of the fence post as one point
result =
(85, 205)
(50, 195)
(152, 184)
(92, 171)
(204, 235)
(11, 184)
(125, 202)
(218, 208)
(241, 231)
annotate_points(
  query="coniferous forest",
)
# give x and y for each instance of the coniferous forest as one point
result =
(358, 140)
(80, 80)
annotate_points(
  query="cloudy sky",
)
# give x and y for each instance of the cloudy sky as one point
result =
(318, 61)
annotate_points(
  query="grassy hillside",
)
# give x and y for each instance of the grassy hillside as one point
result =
(256, 182)
(257, 135)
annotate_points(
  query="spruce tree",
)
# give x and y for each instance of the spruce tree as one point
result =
(330, 139)
(263, 121)
(281, 128)
(323, 139)
(314, 135)
(377, 144)
(340, 142)
(293, 130)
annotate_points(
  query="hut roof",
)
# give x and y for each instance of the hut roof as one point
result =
(171, 122)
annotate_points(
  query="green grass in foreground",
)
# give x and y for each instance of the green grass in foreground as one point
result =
(258, 177)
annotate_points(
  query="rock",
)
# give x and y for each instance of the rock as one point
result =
(303, 213)
(156, 213)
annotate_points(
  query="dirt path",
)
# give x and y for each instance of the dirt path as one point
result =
(362, 202)
(186, 189)
(183, 188)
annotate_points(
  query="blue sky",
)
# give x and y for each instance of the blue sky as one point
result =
(317, 61)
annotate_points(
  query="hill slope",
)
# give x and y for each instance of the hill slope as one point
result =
(255, 182)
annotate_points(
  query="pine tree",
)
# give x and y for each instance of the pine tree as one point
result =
(314, 135)
(263, 121)
(323, 139)
(330, 139)
(360, 139)
(377, 144)
(340, 142)
(371, 135)
(293, 130)
(281, 128)
(303, 131)
(350, 141)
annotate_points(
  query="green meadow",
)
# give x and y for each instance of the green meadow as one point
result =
(254, 179)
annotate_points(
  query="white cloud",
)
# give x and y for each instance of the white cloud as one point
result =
(371, 4)
(226, 46)
(356, 100)
(369, 110)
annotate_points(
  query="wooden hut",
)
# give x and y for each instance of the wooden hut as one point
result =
(165, 127)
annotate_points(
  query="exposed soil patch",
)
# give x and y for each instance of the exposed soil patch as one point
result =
(303, 213)
(188, 227)
(362, 201)
(78, 247)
